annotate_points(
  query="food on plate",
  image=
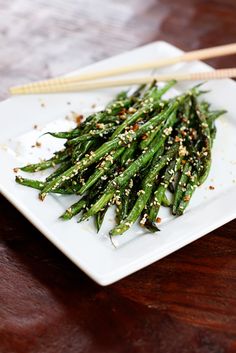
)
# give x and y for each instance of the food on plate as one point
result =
(134, 154)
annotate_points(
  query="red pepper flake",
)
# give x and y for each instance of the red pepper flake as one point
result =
(158, 219)
(177, 139)
(122, 111)
(186, 198)
(35, 127)
(144, 137)
(135, 127)
(211, 187)
(79, 119)
(183, 161)
(15, 170)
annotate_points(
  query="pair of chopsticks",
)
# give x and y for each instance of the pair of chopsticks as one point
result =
(89, 81)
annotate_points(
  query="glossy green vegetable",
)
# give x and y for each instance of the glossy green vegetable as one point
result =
(129, 154)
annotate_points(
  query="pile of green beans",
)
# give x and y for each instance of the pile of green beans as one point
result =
(130, 154)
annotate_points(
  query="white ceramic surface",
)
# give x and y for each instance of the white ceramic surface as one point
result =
(94, 253)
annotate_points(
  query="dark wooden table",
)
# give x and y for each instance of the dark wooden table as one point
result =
(183, 303)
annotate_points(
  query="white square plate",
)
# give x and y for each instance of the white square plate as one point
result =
(94, 253)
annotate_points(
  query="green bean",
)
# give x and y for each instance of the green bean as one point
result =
(65, 134)
(190, 188)
(64, 166)
(59, 157)
(81, 149)
(90, 135)
(75, 169)
(100, 218)
(151, 103)
(129, 154)
(133, 168)
(122, 204)
(165, 201)
(84, 202)
(144, 193)
(39, 185)
(145, 143)
(125, 138)
(180, 188)
(101, 170)
(159, 194)
(35, 184)
(205, 154)
(213, 115)
(74, 209)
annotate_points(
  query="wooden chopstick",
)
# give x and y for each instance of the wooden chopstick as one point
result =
(190, 56)
(91, 85)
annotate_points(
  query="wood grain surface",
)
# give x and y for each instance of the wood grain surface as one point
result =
(184, 303)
